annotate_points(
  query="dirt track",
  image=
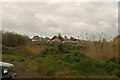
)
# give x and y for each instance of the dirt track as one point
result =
(21, 73)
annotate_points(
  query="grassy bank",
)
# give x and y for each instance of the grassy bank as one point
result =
(90, 59)
(61, 60)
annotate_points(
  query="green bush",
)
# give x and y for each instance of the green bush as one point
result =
(13, 39)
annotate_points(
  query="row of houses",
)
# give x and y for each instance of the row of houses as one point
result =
(46, 39)
(37, 39)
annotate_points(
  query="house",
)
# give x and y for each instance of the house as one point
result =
(36, 39)
(85, 41)
(78, 40)
(46, 39)
(67, 41)
(56, 39)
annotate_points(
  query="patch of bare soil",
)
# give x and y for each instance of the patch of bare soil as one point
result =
(21, 72)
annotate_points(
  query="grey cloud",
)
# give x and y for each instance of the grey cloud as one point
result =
(68, 18)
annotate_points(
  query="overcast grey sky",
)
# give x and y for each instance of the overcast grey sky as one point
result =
(67, 18)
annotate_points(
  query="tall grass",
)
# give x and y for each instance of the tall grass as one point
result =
(100, 45)
(31, 49)
(101, 50)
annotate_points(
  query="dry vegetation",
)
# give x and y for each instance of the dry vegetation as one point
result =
(99, 50)
(32, 49)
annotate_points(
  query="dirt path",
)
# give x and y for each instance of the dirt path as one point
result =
(21, 73)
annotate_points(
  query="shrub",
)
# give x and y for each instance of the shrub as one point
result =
(13, 39)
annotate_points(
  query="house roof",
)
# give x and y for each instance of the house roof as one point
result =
(36, 38)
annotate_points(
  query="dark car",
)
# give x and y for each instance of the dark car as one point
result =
(7, 70)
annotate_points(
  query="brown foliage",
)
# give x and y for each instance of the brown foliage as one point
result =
(101, 50)
(32, 49)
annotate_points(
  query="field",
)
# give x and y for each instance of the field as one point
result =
(94, 59)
